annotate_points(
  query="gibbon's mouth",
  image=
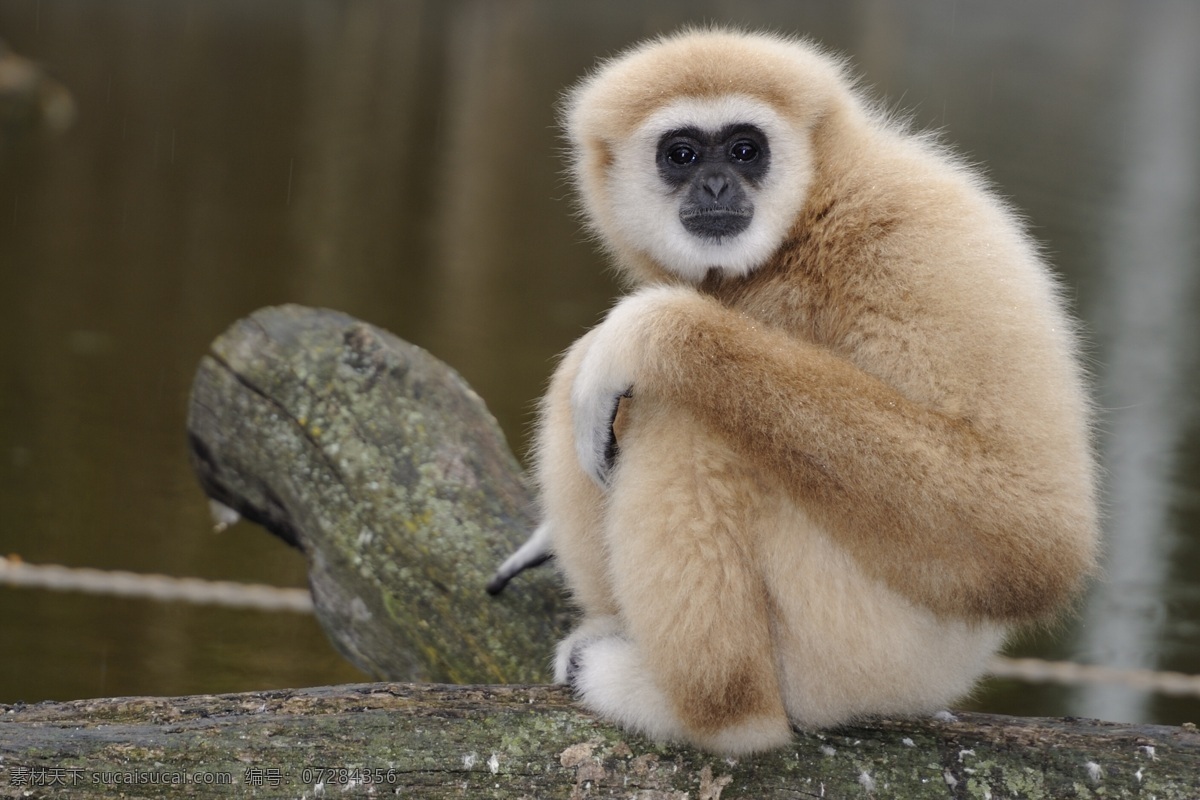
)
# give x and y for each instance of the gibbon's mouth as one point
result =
(716, 223)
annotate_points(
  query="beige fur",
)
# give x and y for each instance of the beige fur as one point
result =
(850, 464)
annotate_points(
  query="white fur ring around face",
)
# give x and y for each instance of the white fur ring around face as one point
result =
(609, 370)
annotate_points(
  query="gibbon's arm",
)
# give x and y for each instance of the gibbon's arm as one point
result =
(957, 520)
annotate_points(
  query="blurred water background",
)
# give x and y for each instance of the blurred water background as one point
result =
(399, 161)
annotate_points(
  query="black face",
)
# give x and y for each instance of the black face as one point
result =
(713, 171)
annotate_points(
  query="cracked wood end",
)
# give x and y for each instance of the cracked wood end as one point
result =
(382, 465)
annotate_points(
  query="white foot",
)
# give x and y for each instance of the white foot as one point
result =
(608, 676)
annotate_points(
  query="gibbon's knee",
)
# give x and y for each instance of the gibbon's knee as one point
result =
(682, 527)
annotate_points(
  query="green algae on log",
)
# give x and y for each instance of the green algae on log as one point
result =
(382, 465)
(435, 741)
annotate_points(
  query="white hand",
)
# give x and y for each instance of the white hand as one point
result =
(594, 404)
(609, 370)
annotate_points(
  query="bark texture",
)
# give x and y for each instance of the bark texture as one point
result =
(437, 741)
(383, 466)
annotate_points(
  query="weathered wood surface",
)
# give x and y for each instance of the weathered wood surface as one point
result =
(388, 472)
(436, 741)
(383, 466)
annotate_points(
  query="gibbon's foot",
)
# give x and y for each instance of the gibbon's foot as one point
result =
(504, 575)
(534, 552)
(568, 656)
(608, 676)
(574, 664)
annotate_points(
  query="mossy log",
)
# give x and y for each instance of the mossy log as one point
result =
(382, 465)
(388, 472)
(437, 741)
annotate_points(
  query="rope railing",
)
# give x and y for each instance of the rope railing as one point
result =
(1069, 673)
(165, 588)
(259, 597)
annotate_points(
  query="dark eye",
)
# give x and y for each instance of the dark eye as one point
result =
(743, 150)
(682, 154)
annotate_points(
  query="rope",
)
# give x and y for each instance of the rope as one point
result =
(1034, 670)
(15, 572)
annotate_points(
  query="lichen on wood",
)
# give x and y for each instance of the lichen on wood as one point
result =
(436, 741)
(386, 469)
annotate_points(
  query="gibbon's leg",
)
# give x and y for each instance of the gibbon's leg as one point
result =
(695, 656)
(973, 521)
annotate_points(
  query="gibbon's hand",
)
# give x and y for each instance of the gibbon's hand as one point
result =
(609, 372)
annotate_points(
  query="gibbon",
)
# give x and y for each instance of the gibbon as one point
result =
(852, 448)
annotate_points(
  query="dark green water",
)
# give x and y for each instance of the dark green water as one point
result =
(398, 161)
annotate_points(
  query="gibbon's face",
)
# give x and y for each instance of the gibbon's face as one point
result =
(713, 173)
(708, 183)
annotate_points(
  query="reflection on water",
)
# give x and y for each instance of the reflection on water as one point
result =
(398, 160)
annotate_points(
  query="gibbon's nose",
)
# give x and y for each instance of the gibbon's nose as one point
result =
(716, 184)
